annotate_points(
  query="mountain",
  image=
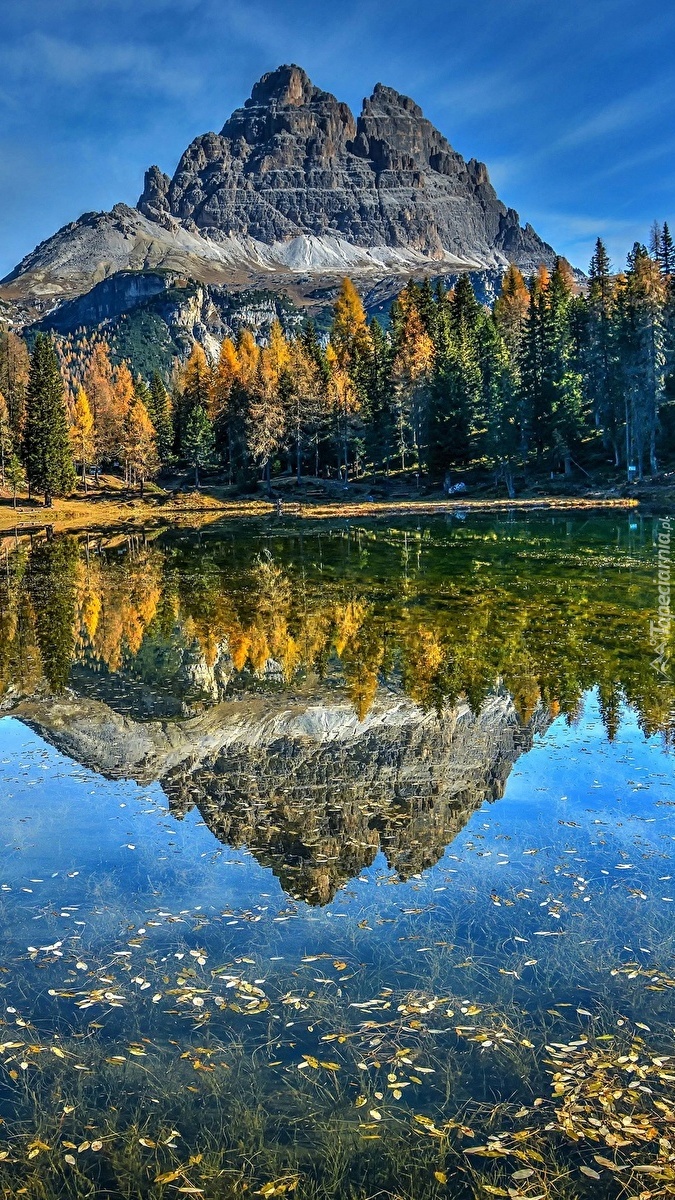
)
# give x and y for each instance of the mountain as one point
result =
(292, 194)
(310, 789)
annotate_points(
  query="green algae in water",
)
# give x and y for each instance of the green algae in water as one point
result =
(336, 864)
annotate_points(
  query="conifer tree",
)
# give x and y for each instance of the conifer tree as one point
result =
(14, 368)
(82, 434)
(195, 389)
(140, 447)
(412, 370)
(6, 439)
(667, 256)
(198, 443)
(644, 340)
(457, 408)
(47, 456)
(159, 411)
(99, 384)
(15, 476)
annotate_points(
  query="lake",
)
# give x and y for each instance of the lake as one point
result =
(338, 861)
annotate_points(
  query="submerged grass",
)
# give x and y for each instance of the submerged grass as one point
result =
(216, 1085)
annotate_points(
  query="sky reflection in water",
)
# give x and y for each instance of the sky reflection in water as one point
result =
(546, 921)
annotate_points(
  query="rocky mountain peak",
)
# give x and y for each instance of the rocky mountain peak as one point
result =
(288, 85)
(294, 185)
(293, 162)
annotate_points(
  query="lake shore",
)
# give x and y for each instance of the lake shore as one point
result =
(175, 509)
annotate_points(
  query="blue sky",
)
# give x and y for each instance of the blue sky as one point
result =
(571, 105)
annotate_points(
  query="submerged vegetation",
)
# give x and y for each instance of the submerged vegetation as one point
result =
(441, 1039)
(176, 1018)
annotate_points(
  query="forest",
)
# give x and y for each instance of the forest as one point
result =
(557, 377)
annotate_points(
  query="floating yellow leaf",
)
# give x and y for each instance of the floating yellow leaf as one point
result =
(168, 1176)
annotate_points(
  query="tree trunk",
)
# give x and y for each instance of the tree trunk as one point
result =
(653, 463)
(84, 477)
(568, 464)
(196, 475)
(48, 500)
(298, 460)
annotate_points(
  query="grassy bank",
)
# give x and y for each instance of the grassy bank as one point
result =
(96, 511)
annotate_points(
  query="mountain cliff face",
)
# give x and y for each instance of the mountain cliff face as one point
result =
(312, 791)
(294, 188)
(294, 161)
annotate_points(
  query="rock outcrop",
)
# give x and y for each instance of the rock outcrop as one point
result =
(293, 161)
(294, 188)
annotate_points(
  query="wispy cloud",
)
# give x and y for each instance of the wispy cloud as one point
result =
(640, 105)
(76, 63)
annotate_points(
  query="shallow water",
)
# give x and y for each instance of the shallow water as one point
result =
(337, 863)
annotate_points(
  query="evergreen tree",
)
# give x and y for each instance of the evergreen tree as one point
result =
(198, 444)
(562, 380)
(456, 396)
(15, 476)
(47, 456)
(159, 410)
(599, 352)
(667, 251)
(380, 426)
(644, 340)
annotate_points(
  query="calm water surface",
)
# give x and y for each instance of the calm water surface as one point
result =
(337, 862)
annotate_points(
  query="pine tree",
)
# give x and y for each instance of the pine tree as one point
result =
(380, 433)
(198, 443)
(15, 476)
(599, 352)
(159, 411)
(562, 380)
(667, 259)
(47, 456)
(457, 404)
(643, 343)
(500, 386)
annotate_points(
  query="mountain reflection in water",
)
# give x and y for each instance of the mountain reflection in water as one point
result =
(437, 995)
(322, 696)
